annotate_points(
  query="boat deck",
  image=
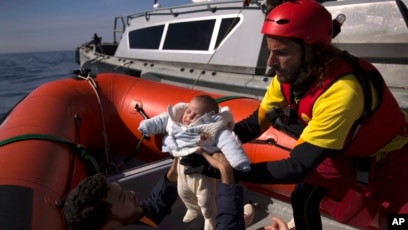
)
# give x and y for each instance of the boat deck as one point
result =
(268, 207)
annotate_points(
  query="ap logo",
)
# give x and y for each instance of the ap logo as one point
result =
(398, 222)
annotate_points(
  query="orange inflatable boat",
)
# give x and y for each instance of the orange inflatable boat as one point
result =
(67, 129)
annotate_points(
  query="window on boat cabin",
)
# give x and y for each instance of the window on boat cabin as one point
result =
(191, 35)
(146, 38)
(227, 24)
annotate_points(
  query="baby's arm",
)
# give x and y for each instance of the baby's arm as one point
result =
(154, 125)
(232, 148)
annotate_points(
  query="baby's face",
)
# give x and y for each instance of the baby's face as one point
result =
(193, 112)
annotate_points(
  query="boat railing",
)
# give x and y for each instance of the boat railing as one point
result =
(116, 30)
(212, 6)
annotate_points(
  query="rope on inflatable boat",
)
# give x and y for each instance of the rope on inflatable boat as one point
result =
(90, 161)
(216, 49)
(227, 98)
(87, 76)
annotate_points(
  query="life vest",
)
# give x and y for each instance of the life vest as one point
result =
(375, 128)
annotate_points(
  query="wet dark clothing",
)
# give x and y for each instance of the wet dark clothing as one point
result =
(230, 200)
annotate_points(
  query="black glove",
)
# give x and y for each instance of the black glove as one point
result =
(197, 164)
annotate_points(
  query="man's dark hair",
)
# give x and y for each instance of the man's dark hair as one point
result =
(85, 207)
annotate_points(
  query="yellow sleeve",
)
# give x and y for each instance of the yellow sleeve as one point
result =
(273, 98)
(334, 114)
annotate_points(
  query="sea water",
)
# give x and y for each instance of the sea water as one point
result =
(20, 73)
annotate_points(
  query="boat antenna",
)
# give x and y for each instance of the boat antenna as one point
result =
(156, 4)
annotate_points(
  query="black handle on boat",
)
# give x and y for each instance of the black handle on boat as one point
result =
(82, 72)
(140, 110)
(270, 141)
(131, 156)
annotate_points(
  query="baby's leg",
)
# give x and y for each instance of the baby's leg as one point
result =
(206, 196)
(185, 188)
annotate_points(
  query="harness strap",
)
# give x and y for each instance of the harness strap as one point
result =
(365, 84)
(91, 163)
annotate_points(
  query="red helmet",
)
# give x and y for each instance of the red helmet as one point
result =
(303, 19)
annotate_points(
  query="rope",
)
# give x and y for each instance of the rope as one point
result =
(261, 5)
(227, 98)
(79, 149)
(94, 86)
(216, 49)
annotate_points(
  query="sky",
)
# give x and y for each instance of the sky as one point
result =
(50, 25)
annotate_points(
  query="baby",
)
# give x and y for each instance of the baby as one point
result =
(190, 128)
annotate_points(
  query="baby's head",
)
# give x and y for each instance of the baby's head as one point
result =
(197, 107)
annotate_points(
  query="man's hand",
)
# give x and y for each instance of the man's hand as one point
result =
(220, 162)
(172, 173)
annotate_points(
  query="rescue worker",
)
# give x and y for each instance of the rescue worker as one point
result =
(344, 118)
(348, 114)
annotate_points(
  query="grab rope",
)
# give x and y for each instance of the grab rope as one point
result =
(227, 98)
(94, 86)
(90, 161)
(263, 5)
(216, 49)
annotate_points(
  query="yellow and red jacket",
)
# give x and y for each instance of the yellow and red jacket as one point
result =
(369, 133)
